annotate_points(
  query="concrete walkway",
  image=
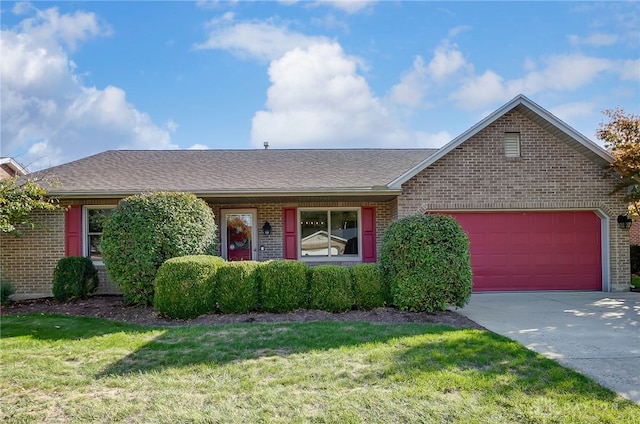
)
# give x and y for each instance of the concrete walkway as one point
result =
(595, 333)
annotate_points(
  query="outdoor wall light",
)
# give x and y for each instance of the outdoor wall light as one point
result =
(624, 222)
(266, 228)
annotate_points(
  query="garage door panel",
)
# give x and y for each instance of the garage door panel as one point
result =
(534, 250)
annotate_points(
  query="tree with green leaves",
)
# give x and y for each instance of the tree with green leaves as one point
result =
(621, 135)
(18, 199)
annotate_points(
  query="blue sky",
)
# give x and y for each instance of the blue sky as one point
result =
(79, 78)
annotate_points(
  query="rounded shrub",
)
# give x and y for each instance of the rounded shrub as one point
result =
(330, 288)
(74, 277)
(283, 285)
(236, 287)
(147, 229)
(426, 261)
(369, 286)
(184, 286)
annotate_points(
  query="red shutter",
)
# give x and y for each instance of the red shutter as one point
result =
(290, 233)
(369, 253)
(73, 231)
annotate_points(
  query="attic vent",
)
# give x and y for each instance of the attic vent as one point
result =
(512, 144)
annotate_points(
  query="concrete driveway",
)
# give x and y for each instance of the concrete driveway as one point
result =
(595, 333)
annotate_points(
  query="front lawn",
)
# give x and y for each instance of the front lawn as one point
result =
(69, 369)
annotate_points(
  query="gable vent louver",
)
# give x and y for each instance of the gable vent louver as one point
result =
(512, 145)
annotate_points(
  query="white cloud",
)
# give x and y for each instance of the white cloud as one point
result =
(254, 40)
(410, 91)
(318, 99)
(595, 40)
(447, 63)
(349, 6)
(559, 73)
(447, 60)
(198, 147)
(433, 141)
(49, 26)
(48, 115)
(569, 112)
(630, 70)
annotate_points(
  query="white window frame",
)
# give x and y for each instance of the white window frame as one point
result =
(329, 258)
(86, 246)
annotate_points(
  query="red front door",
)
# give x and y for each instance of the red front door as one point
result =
(239, 237)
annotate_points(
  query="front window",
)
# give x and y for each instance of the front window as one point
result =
(331, 233)
(95, 218)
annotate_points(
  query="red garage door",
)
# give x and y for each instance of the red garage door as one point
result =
(534, 250)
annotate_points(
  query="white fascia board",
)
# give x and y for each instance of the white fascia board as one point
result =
(19, 169)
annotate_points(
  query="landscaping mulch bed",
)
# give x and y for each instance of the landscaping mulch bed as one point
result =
(114, 308)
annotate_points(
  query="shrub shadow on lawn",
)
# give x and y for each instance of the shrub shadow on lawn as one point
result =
(187, 346)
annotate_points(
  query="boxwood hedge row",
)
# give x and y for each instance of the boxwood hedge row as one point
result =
(189, 286)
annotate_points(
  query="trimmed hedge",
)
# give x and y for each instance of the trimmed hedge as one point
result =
(369, 286)
(426, 260)
(74, 277)
(236, 287)
(184, 286)
(147, 229)
(330, 288)
(283, 285)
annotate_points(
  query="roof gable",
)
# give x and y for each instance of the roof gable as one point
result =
(533, 112)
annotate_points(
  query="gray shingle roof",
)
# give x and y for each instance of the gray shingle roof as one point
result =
(234, 171)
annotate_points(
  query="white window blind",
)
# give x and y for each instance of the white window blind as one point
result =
(512, 145)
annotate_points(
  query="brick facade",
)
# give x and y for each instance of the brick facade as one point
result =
(28, 261)
(273, 212)
(549, 175)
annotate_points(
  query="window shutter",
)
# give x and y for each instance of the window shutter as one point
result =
(512, 145)
(290, 230)
(369, 253)
(73, 231)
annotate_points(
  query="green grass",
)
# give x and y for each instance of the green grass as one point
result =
(635, 281)
(69, 369)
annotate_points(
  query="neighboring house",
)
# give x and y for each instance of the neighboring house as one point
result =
(10, 168)
(528, 189)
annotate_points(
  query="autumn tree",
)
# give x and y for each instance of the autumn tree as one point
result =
(18, 199)
(621, 135)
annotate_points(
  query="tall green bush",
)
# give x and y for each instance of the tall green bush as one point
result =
(184, 286)
(147, 229)
(369, 286)
(236, 287)
(426, 259)
(330, 288)
(283, 285)
(74, 277)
